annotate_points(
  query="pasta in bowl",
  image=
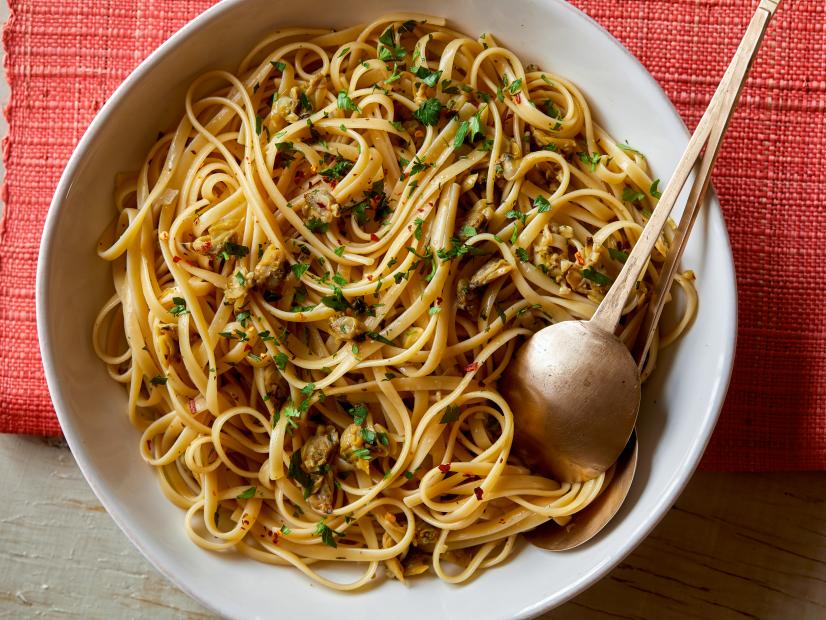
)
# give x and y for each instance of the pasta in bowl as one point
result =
(322, 270)
(680, 401)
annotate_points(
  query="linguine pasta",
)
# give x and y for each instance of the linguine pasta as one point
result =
(322, 270)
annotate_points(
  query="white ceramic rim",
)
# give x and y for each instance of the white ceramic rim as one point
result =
(687, 467)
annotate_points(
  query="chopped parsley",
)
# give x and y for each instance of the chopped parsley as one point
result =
(592, 159)
(279, 66)
(523, 255)
(654, 189)
(338, 170)
(451, 414)
(232, 249)
(336, 301)
(468, 231)
(417, 232)
(428, 112)
(314, 224)
(281, 360)
(429, 77)
(358, 411)
(327, 534)
(299, 475)
(379, 338)
(388, 50)
(618, 255)
(629, 149)
(629, 194)
(515, 86)
(345, 103)
(180, 306)
(158, 380)
(299, 269)
(542, 204)
(596, 276)
(250, 492)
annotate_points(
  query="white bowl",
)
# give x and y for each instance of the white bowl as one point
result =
(680, 404)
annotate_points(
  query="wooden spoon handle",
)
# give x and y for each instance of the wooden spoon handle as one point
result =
(714, 120)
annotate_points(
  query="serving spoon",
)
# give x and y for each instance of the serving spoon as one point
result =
(576, 384)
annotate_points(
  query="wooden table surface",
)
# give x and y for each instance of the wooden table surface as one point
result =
(734, 546)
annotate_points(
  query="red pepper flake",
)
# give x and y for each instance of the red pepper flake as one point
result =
(369, 277)
(438, 301)
(245, 522)
(193, 408)
(478, 491)
(518, 97)
(579, 258)
(247, 347)
(374, 237)
(275, 537)
(444, 468)
(176, 259)
(472, 367)
(333, 183)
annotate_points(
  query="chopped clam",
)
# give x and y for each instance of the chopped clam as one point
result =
(410, 336)
(352, 444)
(466, 298)
(425, 534)
(286, 105)
(218, 235)
(321, 205)
(236, 291)
(475, 218)
(346, 327)
(270, 271)
(275, 385)
(490, 271)
(319, 449)
(321, 499)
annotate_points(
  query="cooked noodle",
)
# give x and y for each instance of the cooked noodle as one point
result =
(323, 269)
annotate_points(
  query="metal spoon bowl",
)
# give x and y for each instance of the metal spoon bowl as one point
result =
(587, 523)
(575, 386)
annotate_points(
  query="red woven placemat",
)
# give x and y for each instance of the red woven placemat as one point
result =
(65, 58)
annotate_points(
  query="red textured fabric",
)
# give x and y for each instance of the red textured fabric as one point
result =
(65, 58)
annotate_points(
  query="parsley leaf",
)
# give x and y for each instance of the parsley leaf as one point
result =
(595, 276)
(464, 126)
(428, 112)
(654, 189)
(625, 147)
(338, 170)
(591, 159)
(250, 492)
(515, 86)
(379, 338)
(523, 255)
(299, 269)
(326, 534)
(629, 194)
(180, 306)
(345, 103)
(281, 360)
(542, 204)
(618, 255)
(336, 301)
(451, 414)
(299, 475)
(158, 380)
(428, 76)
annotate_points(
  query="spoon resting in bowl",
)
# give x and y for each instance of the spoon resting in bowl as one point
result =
(576, 384)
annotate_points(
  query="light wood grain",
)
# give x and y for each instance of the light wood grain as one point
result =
(735, 546)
